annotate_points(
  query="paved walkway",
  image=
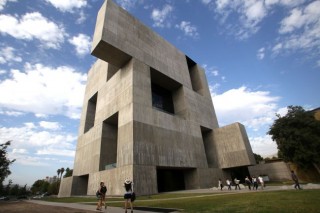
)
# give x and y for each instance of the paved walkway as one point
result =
(210, 192)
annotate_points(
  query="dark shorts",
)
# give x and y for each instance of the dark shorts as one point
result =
(127, 196)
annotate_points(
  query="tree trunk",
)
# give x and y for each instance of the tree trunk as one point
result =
(317, 167)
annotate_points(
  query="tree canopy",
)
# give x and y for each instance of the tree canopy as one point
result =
(257, 157)
(4, 162)
(297, 135)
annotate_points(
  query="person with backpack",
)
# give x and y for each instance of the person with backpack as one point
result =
(129, 195)
(101, 194)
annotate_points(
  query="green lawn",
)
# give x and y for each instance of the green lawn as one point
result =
(263, 201)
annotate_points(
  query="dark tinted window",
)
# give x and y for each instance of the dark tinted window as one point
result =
(162, 99)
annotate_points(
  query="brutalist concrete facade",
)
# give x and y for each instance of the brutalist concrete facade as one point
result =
(148, 116)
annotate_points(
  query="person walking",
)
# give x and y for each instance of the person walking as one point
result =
(128, 186)
(248, 182)
(236, 182)
(228, 182)
(260, 179)
(255, 183)
(101, 193)
(295, 179)
(220, 184)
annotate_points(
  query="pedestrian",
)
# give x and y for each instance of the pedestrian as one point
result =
(220, 184)
(236, 182)
(128, 186)
(295, 179)
(248, 182)
(255, 183)
(228, 182)
(260, 179)
(101, 194)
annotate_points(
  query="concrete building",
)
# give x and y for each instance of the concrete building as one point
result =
(148, 116)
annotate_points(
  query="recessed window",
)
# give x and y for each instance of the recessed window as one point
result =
(91, 113)
(165, 92)
(111, 71)
(109, 143)
(162, 98)
(195, 76)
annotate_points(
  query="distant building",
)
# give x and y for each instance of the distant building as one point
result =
(148, 116)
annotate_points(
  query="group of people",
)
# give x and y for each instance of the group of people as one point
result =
(128, 196)
(250, 182)
(254, 182)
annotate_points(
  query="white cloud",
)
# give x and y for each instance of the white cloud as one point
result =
(68, 6)
(126, 4)
(7, 55)
(261, 53)
(20, 151)
(33, 26)
(44, 90)
(82, 17)
(288, 3)
(214, 89)
(39, 115)
(206, 1)
(300, 30)
(188, 29)
(30, 140)
(50, 125)
(251, 13)
(254, 109)
(11, 113)
(56, 151)
(82, 43)
(211, 70)
(263, 145)
(159, 16)
(300, 17)
(4, 2)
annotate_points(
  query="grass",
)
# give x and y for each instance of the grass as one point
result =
(257, 202)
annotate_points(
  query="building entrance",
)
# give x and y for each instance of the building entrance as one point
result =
(170, 179)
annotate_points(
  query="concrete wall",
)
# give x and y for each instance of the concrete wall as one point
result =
(65, 187)
(277, 171)
(120, 124)
(233, 146)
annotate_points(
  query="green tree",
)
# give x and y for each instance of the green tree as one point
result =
(14, 190)
(54, 188)
(68, 172)
(4, 162)
(62, 171)
(257, 157)
(297, 137)
(36, 187)
(58, 172)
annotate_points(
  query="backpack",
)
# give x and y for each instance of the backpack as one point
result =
(98, 194)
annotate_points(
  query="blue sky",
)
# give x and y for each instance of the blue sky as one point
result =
(259, 56)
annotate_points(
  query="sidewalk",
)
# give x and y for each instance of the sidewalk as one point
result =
(86, 207)
(211, 192)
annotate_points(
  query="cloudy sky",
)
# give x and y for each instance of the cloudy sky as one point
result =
(259, 55)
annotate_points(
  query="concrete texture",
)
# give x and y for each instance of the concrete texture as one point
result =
(148, 116)
(276, 171)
